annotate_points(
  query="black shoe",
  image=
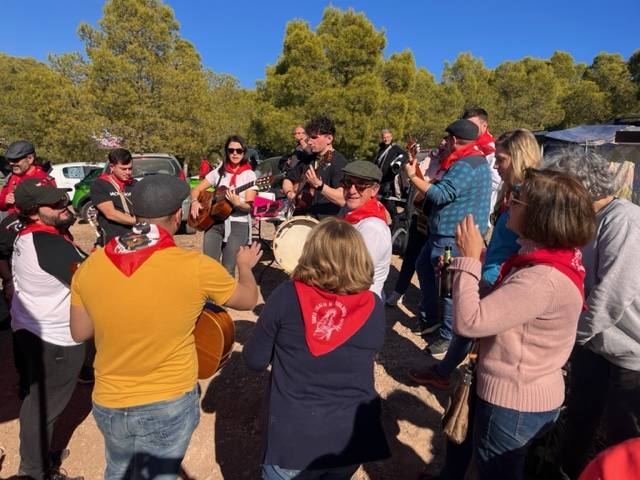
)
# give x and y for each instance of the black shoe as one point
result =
(419, 326)
(62, 475)
(438, 348)
(86, 376)
(58, 457)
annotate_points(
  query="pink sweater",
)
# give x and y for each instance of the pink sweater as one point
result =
(526, 330)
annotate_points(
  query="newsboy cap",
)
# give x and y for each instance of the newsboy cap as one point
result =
(463, 129)
(363, 169)
(32, 193)
(19, 149)
(158, 195)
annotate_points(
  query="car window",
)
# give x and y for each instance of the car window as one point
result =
(73, 172)
(90, 168)
(151, 166)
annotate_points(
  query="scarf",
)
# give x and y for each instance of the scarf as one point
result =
(371, 208)
(128, 252)
(235, 171)
(466, 151)
(39, 227)
(13, 180)
(486, 143)
(330, 319)
(565, 260)
(112, 178)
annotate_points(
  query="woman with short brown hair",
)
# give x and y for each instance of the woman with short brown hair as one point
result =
(320, 332)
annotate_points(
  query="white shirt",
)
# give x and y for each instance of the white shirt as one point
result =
(242, 179)
(377, 237)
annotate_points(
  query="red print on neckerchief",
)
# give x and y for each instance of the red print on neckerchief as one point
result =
(565, 260)
(129, 252)
(371, 208)
(330, 319)
(235, 171)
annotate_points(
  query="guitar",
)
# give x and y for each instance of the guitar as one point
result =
(422, 219)
(216, 208)
(305, 192)
(214, 335)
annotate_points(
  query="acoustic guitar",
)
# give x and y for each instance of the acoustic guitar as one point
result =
(422, 219)
(214, 334)
(305, 192)
(216, 208)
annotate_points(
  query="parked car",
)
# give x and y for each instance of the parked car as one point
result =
(67, 175)
(143, 164)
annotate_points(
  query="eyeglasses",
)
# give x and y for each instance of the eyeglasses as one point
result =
(347, 183)
(239, 151)
(60, 205)
(515, 195)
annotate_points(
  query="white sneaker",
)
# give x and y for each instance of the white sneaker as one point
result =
(394, 299)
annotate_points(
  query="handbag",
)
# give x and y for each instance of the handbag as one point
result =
(455, 422)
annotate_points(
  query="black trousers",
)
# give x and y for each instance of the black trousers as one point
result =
(415, 242)
(51, 373)
(599, 392)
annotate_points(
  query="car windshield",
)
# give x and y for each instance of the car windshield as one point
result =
(152, 165)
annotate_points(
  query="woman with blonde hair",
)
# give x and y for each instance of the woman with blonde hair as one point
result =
(320, 332)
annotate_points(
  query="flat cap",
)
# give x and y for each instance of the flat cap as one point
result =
(19, 149)
(158, 195)
(363, 169)
(32, 193)
(463, 129)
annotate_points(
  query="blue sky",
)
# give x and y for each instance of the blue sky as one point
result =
(241, 37)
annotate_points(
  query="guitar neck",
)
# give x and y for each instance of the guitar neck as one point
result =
(260, 182)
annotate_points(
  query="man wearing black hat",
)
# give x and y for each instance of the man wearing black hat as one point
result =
(464, 188)
(43, 262)
(21, 156)
(146, 397)
(361, 184)
(315, 181)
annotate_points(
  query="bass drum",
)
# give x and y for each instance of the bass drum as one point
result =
(289, 239)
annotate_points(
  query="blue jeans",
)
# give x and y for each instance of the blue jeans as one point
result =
(501, 437)
(274, 472)
(456, 353)
(426, 267)
(148, 441)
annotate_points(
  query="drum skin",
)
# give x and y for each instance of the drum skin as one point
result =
(289, 240)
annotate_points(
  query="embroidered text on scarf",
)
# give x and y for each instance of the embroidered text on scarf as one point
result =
(129, 251)
(235, 171)
(371, 208)
(565, 260)
(331, 319)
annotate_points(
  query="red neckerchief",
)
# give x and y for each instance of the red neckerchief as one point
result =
(205, 168)
(36, 171)
(330, 319)
(235, 171)
(371, 208)
(129, 251)
(565, 260)
(486, 143)
(39, 227)
(466, 151)
(112, 178)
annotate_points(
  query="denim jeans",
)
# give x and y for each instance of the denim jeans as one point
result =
(456, 353)
(501, 437)
(426, 267)
(274, 472)
(148, 441)
(225, 253)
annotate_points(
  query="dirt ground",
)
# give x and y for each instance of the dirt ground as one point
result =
(226, 443)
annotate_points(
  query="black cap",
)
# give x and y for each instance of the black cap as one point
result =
(158, 195)
(463, 129)
(32, 193)
(19, 149)
(363, 169)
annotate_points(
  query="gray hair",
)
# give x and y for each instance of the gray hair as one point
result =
(385, 130)
(590, 168)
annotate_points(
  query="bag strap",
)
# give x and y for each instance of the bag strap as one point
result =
(123, 199)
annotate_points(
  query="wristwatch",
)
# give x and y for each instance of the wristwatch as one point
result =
(320, 187)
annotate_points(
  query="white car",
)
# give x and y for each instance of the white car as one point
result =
(67, 175)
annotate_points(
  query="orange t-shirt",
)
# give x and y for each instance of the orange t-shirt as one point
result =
(144, 323)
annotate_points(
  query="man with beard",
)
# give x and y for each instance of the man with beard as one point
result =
(317, 178)
(43, 262)
(388, 154)
(110, 194)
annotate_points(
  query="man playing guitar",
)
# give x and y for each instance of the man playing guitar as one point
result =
(318, 179)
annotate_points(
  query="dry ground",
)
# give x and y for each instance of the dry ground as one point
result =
(226, 444)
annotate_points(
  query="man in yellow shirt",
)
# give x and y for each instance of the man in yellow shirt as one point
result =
(140, 297)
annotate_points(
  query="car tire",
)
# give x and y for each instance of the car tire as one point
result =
(84, 211)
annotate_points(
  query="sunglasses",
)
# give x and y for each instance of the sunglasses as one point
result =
(60, 205)
(515, 195)
(347, 183)
(239, 151)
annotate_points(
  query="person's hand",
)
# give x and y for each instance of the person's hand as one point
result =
(410, 166)
(469, 239)
(248, 256)
(233, 198)
(196, 206)
(291, 194)
(10, 199)
(312, 178)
